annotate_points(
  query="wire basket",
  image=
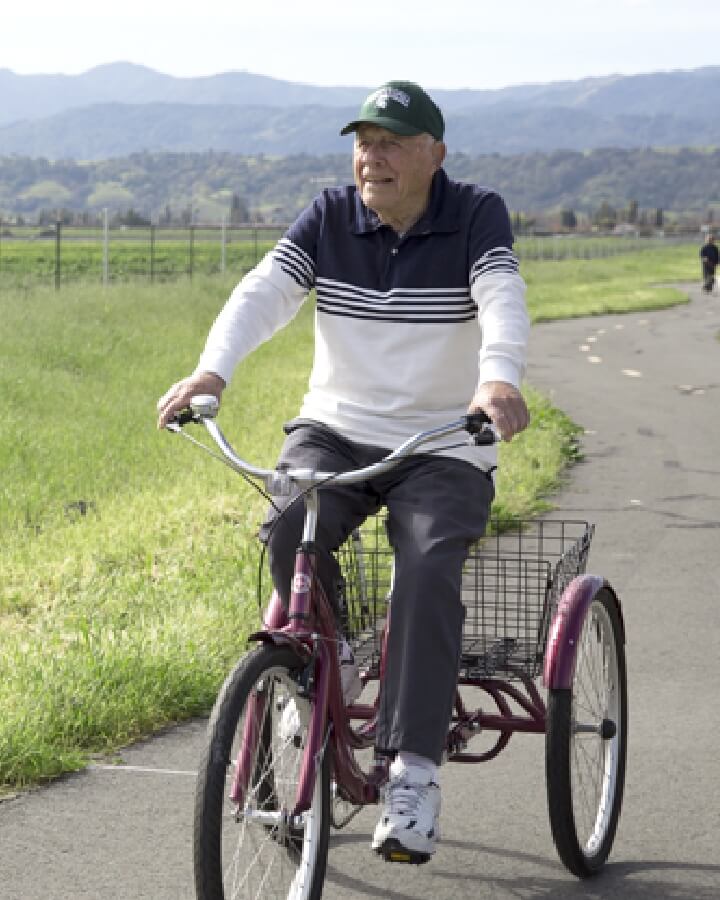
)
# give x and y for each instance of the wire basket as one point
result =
(511, 583)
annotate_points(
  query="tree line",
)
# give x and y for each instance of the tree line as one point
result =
(604, 188)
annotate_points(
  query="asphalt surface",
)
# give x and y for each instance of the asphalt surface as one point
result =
(646, 387)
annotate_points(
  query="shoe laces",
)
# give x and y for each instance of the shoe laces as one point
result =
(404, 798)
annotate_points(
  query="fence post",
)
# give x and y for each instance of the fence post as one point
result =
(58, 229)
(192, 251)
(222, 247)
(255, 245)
(105, 271)
(152, 254)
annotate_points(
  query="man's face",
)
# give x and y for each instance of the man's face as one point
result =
(393, 172)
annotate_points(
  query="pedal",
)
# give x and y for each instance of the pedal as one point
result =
(393, 851)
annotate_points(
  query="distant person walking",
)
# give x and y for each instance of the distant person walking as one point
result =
(709, 256)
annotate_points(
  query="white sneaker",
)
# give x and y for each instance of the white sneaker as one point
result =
(289, 725)
(352, 686)
(409, 827)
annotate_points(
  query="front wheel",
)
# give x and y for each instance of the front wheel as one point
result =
(253, 849)
(586, 743)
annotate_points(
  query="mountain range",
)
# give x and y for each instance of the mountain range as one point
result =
(121, 108)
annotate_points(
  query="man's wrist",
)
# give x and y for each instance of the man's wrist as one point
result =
(214, 381)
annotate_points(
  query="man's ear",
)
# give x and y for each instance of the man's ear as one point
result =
(439, 153)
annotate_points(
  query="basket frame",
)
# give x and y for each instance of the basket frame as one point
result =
(512, 581)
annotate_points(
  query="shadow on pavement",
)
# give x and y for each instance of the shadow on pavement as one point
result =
(631, 880)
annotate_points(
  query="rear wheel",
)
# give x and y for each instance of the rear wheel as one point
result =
(256, 849)
(586, 743)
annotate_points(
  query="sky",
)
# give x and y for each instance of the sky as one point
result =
(442, 44)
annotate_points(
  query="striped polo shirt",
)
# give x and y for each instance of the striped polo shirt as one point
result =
(406, 326)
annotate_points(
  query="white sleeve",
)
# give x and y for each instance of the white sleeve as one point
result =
(264, 301)
(503, 317)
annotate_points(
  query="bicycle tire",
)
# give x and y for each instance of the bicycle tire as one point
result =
(236, 856)
(586, 743)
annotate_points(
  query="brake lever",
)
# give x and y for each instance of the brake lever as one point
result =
(202, 406)
(480, 426)
(476, 422)
(487, 435)
(184, 417)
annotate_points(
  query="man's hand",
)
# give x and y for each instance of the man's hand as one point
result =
(505, 406)
(182, 392)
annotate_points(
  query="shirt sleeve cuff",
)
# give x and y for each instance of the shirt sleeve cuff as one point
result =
(500, 369)
(212, 362)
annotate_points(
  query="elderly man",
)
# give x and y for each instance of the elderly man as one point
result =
(420, 318)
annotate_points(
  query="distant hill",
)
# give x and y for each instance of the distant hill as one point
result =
(29, 97)
(112, 130)
(118, 109)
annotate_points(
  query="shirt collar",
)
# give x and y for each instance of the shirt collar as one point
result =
(441, 214)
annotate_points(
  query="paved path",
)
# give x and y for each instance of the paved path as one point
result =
(646, 387)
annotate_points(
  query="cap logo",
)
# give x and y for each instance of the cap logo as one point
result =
(380, 97)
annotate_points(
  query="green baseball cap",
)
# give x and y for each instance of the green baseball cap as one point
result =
(402, 107)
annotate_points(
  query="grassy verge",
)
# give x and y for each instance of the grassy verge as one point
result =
(632, 282)
(128, 572)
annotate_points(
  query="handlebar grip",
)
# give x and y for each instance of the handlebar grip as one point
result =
(205, 406)
(202, 406)
(474, 422)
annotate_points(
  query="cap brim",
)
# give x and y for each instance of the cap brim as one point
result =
(393, 125)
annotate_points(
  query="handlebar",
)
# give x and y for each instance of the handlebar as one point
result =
(203, 410)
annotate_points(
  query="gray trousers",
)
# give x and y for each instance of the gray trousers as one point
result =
(436, 507)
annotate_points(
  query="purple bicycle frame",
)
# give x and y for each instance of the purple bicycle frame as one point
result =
(317, 648)
(558, 671)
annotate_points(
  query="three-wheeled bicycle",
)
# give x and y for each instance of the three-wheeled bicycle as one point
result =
(268, 793)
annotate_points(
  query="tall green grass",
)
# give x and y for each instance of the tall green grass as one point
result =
(128, 568)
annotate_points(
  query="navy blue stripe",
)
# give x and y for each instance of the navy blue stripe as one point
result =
(493, 270)
(288, 247)
(439, 292)
(296, 276)
(451, 305)
(417, 319)
(494, 261)
(294, 264)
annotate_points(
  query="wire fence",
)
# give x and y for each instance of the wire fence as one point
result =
(63, 254)
(597, 246)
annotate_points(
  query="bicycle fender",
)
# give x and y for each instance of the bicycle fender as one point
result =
(282, 639)
(560, 652)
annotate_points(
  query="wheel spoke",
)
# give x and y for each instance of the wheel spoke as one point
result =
(585, 781)
(592, 688)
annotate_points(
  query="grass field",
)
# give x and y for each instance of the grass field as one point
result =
(568, 288)
(128, 571)
(30, 257)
